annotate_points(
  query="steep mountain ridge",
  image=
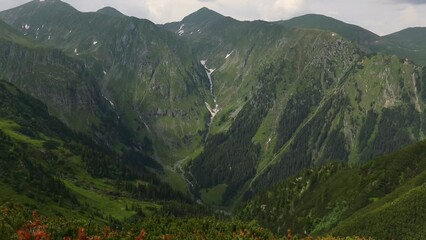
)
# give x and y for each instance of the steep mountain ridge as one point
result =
(360, 119)
(351, 32)
(399, 43)
(111, 12)
(292, 99)
(152, 80)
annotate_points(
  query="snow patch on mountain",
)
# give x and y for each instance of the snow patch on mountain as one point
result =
(180, 32)
(213, 110)
(209, 75)
(229, 54)
(110, 102)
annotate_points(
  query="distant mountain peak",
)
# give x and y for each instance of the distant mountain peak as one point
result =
(47, 0)
(349, 31)
(43, 8)
(206, 10)
(203, 14)
(313, 18)
(44, 3)
(110, 11)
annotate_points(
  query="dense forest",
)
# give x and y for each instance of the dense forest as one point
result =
(344, 200)
(232, 157)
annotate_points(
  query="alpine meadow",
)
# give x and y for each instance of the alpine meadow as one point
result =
(115, 127)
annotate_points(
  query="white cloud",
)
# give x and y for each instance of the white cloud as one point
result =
(288, 6)
(380, 16)
(409, 14)
(410, 1)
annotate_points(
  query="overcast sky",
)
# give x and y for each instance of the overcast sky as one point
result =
(379, 16)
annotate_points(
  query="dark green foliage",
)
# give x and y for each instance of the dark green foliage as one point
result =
(393, 131)
(410, 44)
(364, 200)
(51, 145)
(295, 112)
(184, 210)
(37, 171)
(367, 129)
(231, 158)
(297, 157)
(139, 161)
(335, 147)
(404, 218)
(31, 114)
(21, 172)
(151, 190)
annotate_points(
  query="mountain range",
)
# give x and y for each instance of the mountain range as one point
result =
(209, 109)
(304, 97)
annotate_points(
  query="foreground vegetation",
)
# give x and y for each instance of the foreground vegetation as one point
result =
(18, 222)
(46, 165)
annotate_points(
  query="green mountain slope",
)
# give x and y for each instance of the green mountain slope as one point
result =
(369, 112)
(111, 12)
(152, 80)
(291, 99)
(382, 199)
(230, 106)
(410, 42)
(407, 43)
(46, 165)
(63, 83)
(351, 32)
(10, 34)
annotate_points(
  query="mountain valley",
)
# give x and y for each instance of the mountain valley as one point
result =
(310, 124)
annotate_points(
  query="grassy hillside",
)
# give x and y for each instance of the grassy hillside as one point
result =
(410, 43)
(351, 32)
(48, 166)
(382, 198)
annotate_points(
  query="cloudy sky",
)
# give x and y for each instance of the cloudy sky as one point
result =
(379, 16)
